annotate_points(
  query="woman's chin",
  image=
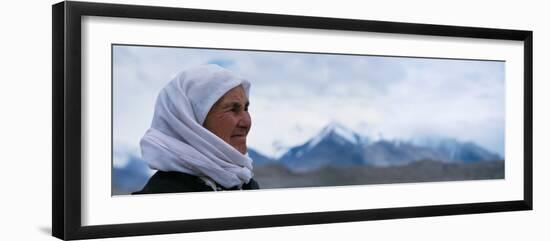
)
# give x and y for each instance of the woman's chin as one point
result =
(241, 148)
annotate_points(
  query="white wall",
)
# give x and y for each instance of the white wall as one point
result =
(25, 129)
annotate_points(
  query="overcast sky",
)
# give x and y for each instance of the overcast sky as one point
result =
(294, 95)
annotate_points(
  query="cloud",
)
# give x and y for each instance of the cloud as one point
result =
(293, 95)
(226, 63)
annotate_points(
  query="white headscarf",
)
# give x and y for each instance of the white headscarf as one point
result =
(177, 141)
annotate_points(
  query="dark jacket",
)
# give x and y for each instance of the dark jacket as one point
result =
(170, 182)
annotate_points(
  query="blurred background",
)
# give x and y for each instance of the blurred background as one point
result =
(331, 119)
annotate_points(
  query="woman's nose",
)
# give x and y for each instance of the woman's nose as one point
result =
(245, 121)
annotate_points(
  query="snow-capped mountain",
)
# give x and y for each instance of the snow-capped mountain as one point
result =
(258, 158)
(335, 145)
(338, 146)
(338, 133)
(391, 153)
(457, 151)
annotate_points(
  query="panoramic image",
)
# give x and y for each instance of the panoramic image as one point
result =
(198, 119)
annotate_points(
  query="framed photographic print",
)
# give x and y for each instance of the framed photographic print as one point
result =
(170, 120)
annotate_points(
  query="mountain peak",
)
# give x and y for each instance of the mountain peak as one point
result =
(335, 129)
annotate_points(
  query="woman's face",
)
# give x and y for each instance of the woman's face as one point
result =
(229, 118)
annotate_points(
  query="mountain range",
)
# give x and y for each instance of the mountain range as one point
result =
(338, 146)
(335, 147)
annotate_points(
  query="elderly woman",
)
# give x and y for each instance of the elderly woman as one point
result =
(197, 140)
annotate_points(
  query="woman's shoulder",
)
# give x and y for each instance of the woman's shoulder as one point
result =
(252, 184)
(170, 182)
(173, 182)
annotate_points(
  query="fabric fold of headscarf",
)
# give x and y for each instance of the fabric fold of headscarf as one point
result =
(177, 141)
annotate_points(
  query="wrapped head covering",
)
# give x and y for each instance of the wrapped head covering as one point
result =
(177, 140)
(204, 85)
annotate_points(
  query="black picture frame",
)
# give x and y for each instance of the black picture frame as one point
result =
(67, 134)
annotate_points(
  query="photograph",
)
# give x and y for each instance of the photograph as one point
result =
(161, 114)
(191, 119)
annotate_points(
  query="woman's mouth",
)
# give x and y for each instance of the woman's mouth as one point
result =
(237, 136)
